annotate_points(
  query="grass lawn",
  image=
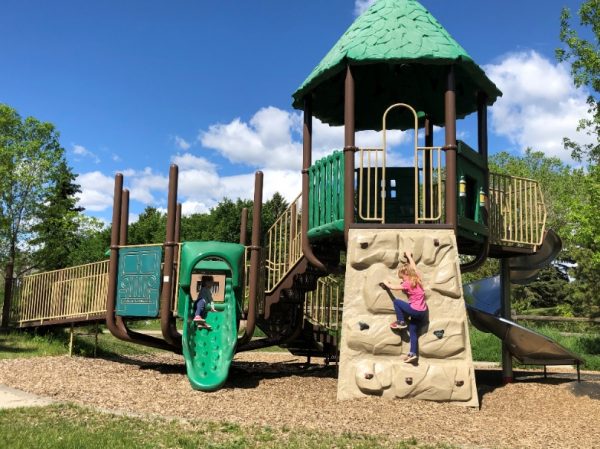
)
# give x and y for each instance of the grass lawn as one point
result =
(17, 344)
(68, 426)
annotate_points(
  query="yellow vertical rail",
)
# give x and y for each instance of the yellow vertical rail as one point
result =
(518, 213)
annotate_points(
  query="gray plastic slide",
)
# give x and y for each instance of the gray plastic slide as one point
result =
(526, 345)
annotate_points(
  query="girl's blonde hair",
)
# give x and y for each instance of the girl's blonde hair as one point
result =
(411, 273)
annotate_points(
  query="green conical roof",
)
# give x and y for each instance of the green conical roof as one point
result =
(399, 53)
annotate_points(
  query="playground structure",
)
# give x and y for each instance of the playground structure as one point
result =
(394, 68)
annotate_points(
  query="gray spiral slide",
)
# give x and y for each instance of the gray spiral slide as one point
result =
(483, 305)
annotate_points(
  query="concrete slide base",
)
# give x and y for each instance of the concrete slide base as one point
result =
(371, 357)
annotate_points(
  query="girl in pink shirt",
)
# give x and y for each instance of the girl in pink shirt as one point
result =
(415, 310)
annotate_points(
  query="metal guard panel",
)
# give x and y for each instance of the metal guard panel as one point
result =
(138, 281)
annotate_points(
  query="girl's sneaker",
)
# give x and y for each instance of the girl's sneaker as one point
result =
(398, 325)
(204, 325)
(198, 318)
(410, 357)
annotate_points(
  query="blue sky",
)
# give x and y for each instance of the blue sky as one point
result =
(135, 86)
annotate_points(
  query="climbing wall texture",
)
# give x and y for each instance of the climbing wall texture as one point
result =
(372, 354)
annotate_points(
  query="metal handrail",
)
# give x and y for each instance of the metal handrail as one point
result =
(61, 294)
(517, 211)
(283, 245)
(323, 306)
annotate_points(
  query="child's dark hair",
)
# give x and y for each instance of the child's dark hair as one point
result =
(206, 279)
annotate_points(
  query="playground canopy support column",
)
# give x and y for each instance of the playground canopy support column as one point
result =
(167, 321)
(254, 260)
(507, 368)
(349, 150)
(117, 327)
(450, 148)
(306, 162)
(244, 227)
(482, 145)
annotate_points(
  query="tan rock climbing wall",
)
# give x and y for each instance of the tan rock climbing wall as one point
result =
(371, 353)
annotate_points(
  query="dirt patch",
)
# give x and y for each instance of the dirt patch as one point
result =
(280, 390)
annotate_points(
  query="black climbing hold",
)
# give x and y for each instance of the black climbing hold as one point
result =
(436, 242)
(459, 383)
(364, 245)
(409, 380)
(368, 376)
(439, 334)
(363, 326)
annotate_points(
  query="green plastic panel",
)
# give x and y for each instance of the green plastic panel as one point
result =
(138, 281)
(472, 167)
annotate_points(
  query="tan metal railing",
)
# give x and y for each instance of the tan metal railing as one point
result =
(428, 184)
(371, 184)
(62, 294)
(323, 306)
(283, 246)
(517, 211)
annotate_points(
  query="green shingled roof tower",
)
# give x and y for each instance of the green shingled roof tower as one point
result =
(398, 53)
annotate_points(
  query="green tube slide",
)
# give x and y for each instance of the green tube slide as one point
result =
(208, 352)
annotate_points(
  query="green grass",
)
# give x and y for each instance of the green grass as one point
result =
(68, 426)
(27, 343)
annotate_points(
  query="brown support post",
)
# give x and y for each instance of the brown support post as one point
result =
(8, 285)
(427, 165)
(507, 368)
(255, 260)
(349, 151)
(167, 321)
(115, 324)
(482, 147)
(450, 148)
(306, 162)
(178, 224)
(244, 227)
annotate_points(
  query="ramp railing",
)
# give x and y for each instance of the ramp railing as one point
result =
(283, 245)
(323, 306)
(517, 211)
(61, 295)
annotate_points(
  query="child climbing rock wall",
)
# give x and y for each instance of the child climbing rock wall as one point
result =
(372, 354)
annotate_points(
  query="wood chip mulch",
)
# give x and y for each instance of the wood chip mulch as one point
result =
(278, 389)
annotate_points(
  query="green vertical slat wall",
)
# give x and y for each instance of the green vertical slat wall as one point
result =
(326, 191)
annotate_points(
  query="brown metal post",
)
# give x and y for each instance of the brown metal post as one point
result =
(306, 162)
(255, 260)
(178, 224)
(167, 321)
(244, 227)
(117, 329)
(115, 324)
(349, 151)
(482, 146)
(507, 368)
(450, 148)
(8, 285)
(427, 166)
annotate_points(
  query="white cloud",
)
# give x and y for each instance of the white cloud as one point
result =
(96, 191)
(265, 140)
(540, 105)
(144, 183)
(361, 6)
(80, 150)
(182, 143)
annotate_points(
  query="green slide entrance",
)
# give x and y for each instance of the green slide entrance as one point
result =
(208, 352)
